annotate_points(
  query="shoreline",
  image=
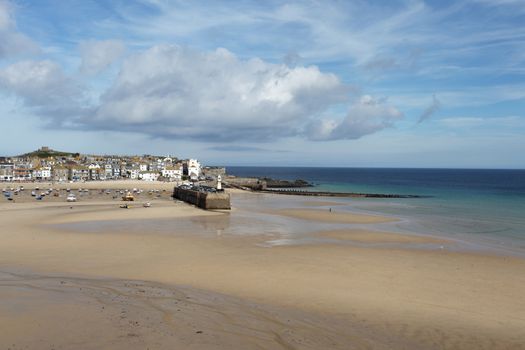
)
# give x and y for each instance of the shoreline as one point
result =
(352, 295)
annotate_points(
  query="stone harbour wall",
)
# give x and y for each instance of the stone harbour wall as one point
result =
(204, 200)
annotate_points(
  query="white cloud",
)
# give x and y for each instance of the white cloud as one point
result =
(174, 92)
(99, 55)
(177, 92)
(11, 41)
(43, 86)
(366, 116)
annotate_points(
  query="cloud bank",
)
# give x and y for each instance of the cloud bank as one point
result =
(99, 55)
(12, 42)
(178, 93)
(44, 88)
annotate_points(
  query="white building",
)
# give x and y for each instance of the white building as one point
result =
(42, 173)
(148, 176)
(194, 169)
(108, 171)
(172, 173)
(94, 171)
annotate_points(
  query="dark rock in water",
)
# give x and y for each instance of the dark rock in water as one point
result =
(274, 183)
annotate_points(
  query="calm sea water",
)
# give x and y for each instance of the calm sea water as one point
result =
(482, 205)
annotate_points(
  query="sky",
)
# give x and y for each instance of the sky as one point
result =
(271, 83)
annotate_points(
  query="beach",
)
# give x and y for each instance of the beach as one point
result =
(91, 275)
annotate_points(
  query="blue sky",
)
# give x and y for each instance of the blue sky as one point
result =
(312, 83)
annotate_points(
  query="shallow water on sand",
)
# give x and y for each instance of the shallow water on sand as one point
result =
(471, 204)
(258, 215)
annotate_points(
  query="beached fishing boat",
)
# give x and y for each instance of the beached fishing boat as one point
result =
(71, 198)
(128, 197)
(147, 205)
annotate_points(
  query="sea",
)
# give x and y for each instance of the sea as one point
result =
(481, 207)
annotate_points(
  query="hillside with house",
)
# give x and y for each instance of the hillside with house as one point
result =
(46, 164)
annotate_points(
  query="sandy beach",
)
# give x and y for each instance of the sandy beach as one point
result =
(90, 275)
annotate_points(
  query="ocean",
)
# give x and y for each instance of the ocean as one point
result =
(479, 206)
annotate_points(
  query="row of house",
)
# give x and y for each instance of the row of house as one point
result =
(91, 168)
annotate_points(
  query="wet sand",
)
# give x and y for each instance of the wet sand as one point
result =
(368, 236)
(333, 216)
(60, 288)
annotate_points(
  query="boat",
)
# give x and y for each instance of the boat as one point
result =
(33, 193)
(71, 198)
(39, 198)
(128, 197)
(125, 206)
(147, 205)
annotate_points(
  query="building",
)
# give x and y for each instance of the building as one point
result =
(22, 174)
(192, 168)
(42, 173)
(78, 173)
(6, 171)
(60, 173)
(172, 173)
(149, 176)
(108, 171)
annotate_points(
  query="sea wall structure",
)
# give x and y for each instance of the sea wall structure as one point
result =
(203, 197)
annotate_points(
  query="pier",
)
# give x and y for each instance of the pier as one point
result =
(203, 197)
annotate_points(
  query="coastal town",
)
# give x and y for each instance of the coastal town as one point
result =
(48, 165)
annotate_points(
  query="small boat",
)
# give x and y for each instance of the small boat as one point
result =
(39, 198)
(71, 198)
(33, 193)
(147, 205)
(125, 206)
(128, 197)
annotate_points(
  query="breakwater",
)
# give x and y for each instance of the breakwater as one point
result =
(203, 197)
(297, 192)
